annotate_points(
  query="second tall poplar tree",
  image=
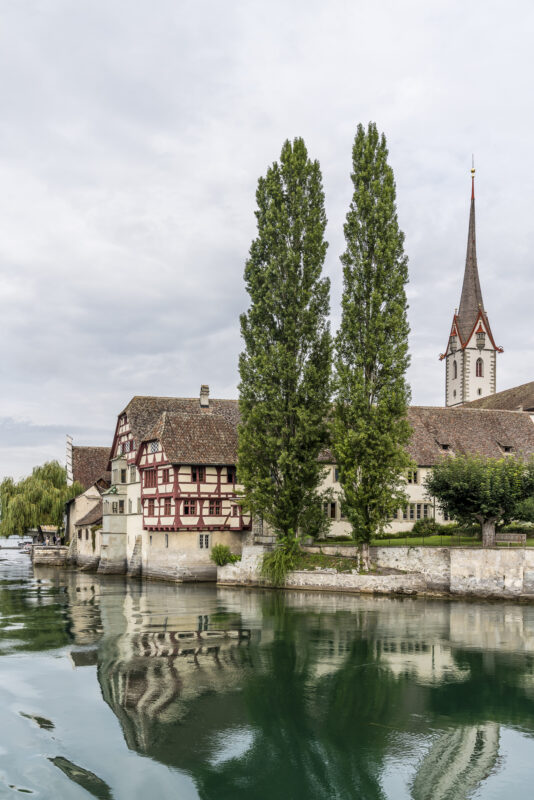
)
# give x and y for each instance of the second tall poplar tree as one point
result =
(284, 393)
(370, 429)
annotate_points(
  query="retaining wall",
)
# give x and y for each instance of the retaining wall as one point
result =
(52, 556)
(491, 572)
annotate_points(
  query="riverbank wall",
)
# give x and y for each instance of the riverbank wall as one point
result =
(461, 571)
(50, 555)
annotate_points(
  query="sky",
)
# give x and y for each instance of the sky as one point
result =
(132, 137)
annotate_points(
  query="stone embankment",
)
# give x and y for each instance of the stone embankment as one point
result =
(50, 555)
(465, 571)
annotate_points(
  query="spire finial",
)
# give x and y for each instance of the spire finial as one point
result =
(472, 176)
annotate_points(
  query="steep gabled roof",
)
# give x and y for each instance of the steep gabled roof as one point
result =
(518, 398)
(89, 464)
(144, 412)
(466, 430)
(192, 438)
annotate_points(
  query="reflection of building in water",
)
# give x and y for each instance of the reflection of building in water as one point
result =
(430, 662)
(83, 591)
(457, 763)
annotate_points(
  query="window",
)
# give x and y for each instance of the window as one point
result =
(150, 478)
(121, 506)
(204, 541)
(150, 540)
(114, 507)
(166, 475)
(336, 475)
(150, 511)
(412, 511)
(167, 506)
(126, 446)
(479, 368)
(115, 476)
(139, 506)
(153, 447)
(418, 510)
(425, 511)
(215, 508)
(479, 391)
(230, 475)
(445, 447)
(454, 369)
(413, 476)
(190, 507)
(86, 534)
(235, 511)
(507, 448)
(129, 506)
(123, 476)
(329, 510)
(405, 513)
(133, 474)
(446, 516)
(79, 534)
(166, 540)
(197, 474)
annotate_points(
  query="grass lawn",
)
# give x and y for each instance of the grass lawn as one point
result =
(438, 540)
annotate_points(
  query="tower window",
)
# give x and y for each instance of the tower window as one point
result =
(455, 369)
(479, 368)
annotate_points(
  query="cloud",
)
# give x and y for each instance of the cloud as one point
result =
(132, 137)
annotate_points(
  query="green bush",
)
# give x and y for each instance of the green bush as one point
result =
(221, 555)
(425, 527)
(280, 561)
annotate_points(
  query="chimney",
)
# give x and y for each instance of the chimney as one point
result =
(204, 395)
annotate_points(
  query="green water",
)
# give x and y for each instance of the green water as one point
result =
(114, 688)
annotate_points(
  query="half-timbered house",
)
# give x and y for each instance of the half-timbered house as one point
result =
(173, 493)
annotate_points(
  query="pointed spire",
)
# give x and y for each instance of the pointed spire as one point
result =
(471, 300)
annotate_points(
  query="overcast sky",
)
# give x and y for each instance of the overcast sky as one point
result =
(132, 137)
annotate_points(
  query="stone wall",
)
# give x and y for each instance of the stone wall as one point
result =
(52, 556)
(492, 572)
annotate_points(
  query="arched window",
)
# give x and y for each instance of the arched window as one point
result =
(480, 368)
(455, 369)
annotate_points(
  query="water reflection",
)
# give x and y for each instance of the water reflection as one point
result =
(261, 694)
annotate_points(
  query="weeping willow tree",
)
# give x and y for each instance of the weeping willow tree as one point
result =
(36, 500)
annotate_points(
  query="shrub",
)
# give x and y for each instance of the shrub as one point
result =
(425, 527)
(280, 561)
(221, 555)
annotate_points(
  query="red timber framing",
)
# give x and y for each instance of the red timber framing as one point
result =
(124, 445)
(183, 493)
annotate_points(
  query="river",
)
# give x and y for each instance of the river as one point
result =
(114, 688)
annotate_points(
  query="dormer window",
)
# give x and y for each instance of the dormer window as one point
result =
(445, 446)
(507, 448)
(481, 340)
(453, 343)
(153, 447)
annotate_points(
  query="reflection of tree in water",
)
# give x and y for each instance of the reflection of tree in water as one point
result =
(309, 707)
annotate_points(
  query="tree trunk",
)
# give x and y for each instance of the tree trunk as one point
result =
(365, 556)
(488, 533)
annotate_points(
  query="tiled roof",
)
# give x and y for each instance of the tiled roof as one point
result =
(89, 464)
(144, 412)
(93, 517)
(518, 398)
(193, 438)
(467, 430)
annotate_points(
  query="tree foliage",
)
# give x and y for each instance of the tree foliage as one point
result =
(370, 429)
(284, 393)
(36, 500)
(484, 490)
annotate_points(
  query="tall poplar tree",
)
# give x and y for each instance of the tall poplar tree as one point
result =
(285, 369)
(370, 428)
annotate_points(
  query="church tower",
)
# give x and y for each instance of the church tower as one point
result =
(471, 354)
